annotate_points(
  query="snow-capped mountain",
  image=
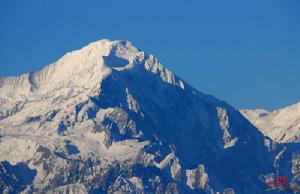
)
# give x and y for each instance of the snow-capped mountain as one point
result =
(109, 118)
(282, 125)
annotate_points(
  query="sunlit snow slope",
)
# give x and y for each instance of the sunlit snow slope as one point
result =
(282, 125)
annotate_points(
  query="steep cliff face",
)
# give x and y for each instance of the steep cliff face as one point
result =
(110, 118)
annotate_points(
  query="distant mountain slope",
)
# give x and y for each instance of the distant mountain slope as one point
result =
(281, 125)
(109, 118)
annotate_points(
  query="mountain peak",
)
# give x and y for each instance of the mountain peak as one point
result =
(109, 110)
(79, 67)
(80, 74)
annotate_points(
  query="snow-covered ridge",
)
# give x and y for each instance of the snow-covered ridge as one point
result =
(85, 68)
(77, 75)
(282, 125)
(77, 67)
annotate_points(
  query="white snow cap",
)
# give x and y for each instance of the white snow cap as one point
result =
(85, 68)
(81, 66)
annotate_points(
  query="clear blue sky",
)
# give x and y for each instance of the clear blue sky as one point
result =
(245, 52)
